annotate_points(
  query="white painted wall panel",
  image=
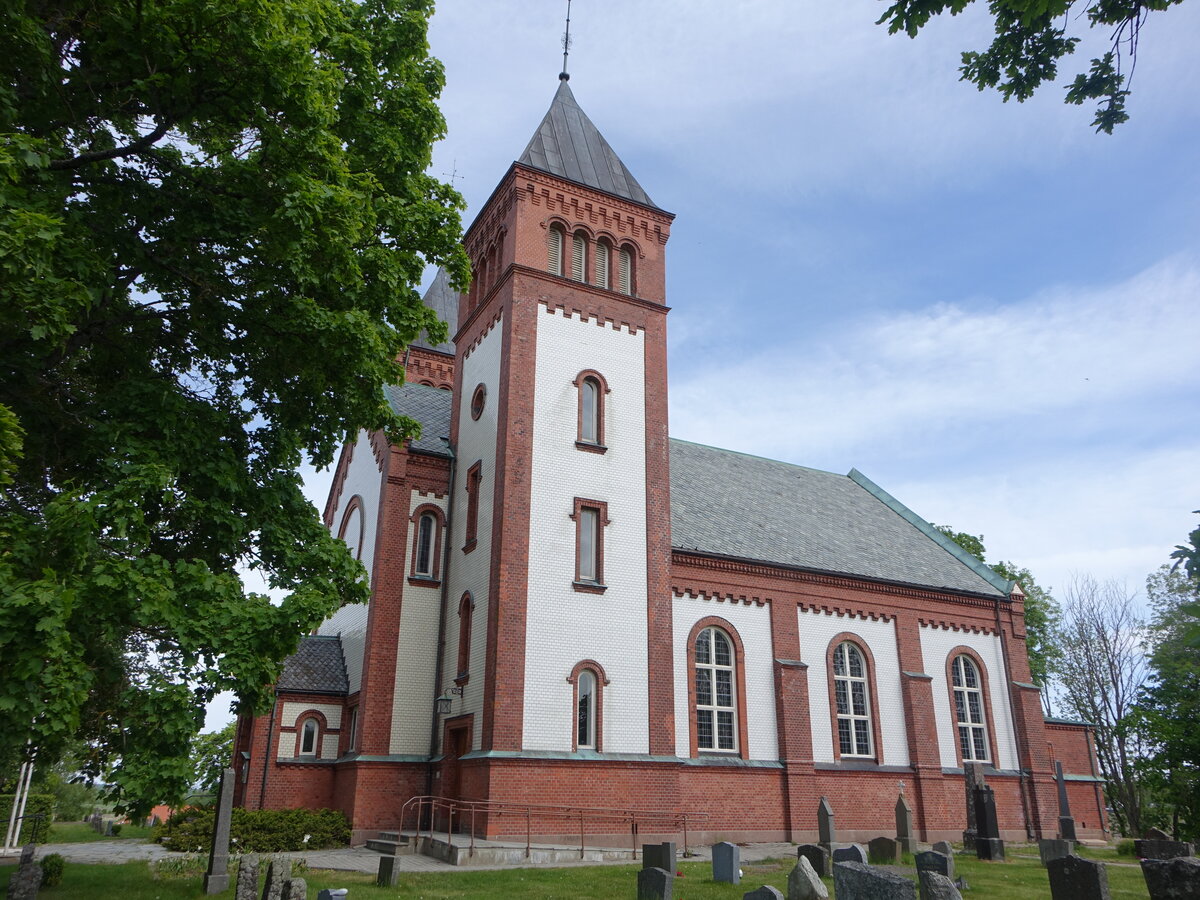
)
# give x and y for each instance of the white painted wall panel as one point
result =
(753, 625)
(289, 742)
(564, 626)
(817, 629)
(936, 645)
(329, 746)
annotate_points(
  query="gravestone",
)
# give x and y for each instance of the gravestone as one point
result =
(987, 837)
(295, 889)
(935, 886)
(858, 880)
(279, 870)
(1172, 879)
(818, 858)
(973, 778)
(944, 847)
(108, 828)
(216, 879)
(660, 856)
(726, 863)
(804, 884)
(1073, 878)
(932, 861)
(28, 854)
(855, 853)
(655, 884)
(766, 892)
(883, 851)
(26, 881)
(826, 833)
(1156, 834)
(905, 834)
(1162, 849)
(1066, 824)
(247, 879)
(1054, 849)
(388, 873)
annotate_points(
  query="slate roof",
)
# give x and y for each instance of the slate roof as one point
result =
(568, 145)
(428, 405)
(443, 300)
(731, 504)
(317, 667)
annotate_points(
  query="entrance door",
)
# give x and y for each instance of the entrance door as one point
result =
(457, 745)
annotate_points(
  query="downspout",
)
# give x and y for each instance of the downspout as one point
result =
(262, 791)
(441, 646)
(1018, 725)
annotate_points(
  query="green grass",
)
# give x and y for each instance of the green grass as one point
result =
(82, 833)
(1017, 879)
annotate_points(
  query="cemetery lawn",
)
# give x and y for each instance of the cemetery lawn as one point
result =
(1017, 879)
(82, 833)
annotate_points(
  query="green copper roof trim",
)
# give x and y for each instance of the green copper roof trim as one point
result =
(987, 573)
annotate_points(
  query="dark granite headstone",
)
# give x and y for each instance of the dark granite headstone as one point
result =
(726, 863)
(1156, 834)
(766, 892)
(28, 853)
(660, 856)
(247, 879)
(1172, 879)
(1049, 849)
(216, 879)
(972, 779)
(655, 884)
(905, 833)
(932, 861)
(388, 873)
(1162, 849)
(883, 851)
(1066, 824)
(818, 857)
(858, 880)
(1073, 878)
(26, 881)
(804, 883)
(108, 828)
(855, 853)
(987, 838)
(826, 833)
(935, 886)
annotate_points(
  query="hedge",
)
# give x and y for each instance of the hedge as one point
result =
(33, 830)
(258, 830)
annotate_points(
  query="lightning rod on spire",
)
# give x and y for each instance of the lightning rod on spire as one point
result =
(566, 45)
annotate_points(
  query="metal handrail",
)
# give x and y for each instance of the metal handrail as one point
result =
(585, 814)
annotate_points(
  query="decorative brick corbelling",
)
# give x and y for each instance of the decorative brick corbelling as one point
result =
(477, 339)
(693, 593)
(580, 203)
(587, 315)
(833, 609)
(927, 622)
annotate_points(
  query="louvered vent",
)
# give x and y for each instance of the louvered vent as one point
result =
(602, 265)
(556, 249)
(625, 272)
(578, 253)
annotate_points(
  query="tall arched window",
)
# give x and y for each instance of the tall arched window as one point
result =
(602, 261)
(579, 256)
(625, 271)
(969, 710)
(589, 413)
(466, 606)
(351, 530)
(716, 690)
(852, 698)
(308, 738)
(424, 563)
(585, 711)
(555, 246)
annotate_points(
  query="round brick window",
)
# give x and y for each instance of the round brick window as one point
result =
(477, 401)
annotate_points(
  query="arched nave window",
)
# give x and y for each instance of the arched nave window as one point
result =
(969, 710)
(852, 701)
(716, 692)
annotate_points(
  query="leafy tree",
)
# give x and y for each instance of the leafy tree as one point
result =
(1033, 35)
(213, 217)
(212, 752)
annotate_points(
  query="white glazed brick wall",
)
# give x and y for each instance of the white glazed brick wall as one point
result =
(753, 625)
(416, 651)
(363, 480)
(329, 746)
(289, 743)
(472, 571)
(936, 644)
(564, 626)
(817, 629)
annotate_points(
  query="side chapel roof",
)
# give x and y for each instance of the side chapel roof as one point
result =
(568, 145)
(428, 405)
(317, 667)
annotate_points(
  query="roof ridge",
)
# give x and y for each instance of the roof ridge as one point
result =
(781, 462)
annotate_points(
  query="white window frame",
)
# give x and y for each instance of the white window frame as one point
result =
(303, 735)
(585, 692)
(853, 707)
(708, 674)
(970, 720)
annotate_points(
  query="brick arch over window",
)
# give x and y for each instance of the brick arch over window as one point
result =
(849, 637)
(435, 544)
(597, 670)
(584, 441)
(985, 697)
(739, 669)
(353, 508)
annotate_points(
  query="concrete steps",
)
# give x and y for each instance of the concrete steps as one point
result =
(391, 843)
(458, 850)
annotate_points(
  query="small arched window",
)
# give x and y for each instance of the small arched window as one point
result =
(351, 530)
(716, 711)
(555, 246)
(625, 271)
(969, 710)
(585, 711)
(589, 413)
(852, 699)
(308, 738)
(424, 563)
(601, 278)
(579, 256)
(466, 606)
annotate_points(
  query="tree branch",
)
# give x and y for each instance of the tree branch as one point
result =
(137, 146)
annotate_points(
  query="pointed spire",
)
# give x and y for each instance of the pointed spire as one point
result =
(566, 42)
(568, 145)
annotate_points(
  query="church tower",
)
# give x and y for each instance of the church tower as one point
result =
(561, 515)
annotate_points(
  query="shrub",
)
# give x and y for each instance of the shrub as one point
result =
(33, 829)
(52, 869)
(116, 829)
(258, 830)
(1125, 847)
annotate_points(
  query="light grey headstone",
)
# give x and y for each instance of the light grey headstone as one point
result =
(1156, 834)
(935, 886)
(826, 833)
(905, 833)
(655, 884)
(858, 881)
(108, 828)
(1054, 848)
(1162, 849)
(804, 884)
(25, 882)
(932, 861)
(1172, 879)
(388, 873)
(855, 853)
(278, 871)
(818, 857)
(660, 856)
(726, 863)
(216, 879)
(247, 879)
(944, 847)
(883, 851)
(1072, 878)
(295, 889)
(28, 854)
(766, 892)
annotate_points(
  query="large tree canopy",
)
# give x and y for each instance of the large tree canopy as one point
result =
(1033, 35)
(213, 215)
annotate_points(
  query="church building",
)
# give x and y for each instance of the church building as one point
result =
(571, 610)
